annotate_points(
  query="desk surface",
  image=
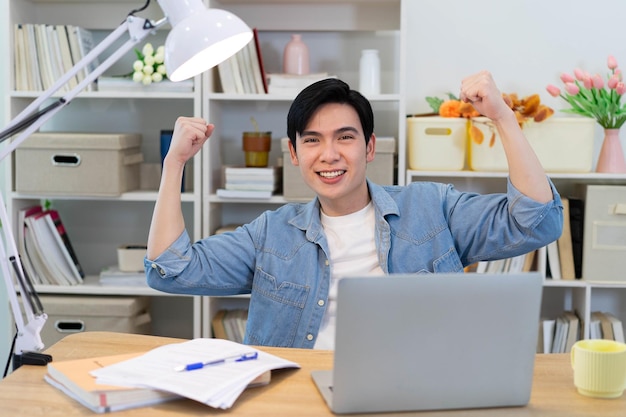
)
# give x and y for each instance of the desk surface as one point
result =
(291, 392)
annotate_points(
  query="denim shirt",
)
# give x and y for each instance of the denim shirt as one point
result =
(282, 259)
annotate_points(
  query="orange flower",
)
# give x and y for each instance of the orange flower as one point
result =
(468, 111)
(450, 108)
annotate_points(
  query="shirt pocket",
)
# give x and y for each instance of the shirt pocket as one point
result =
(448, 262)
(275, 311)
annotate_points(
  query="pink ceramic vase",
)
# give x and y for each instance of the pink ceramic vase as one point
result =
(611, 158)
(296, 56)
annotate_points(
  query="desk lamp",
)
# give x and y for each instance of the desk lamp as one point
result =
(200, 39)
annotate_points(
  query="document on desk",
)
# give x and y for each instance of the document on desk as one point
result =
(212, 371)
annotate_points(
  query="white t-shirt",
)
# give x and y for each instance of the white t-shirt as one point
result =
(352, 246)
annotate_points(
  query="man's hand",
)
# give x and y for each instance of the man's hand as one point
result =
(481, 91)
(189, 136)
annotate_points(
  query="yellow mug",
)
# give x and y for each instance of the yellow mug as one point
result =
(599, 367)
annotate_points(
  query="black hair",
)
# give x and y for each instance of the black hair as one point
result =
(329, 90)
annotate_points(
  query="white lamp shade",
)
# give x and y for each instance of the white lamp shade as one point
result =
(202, 40)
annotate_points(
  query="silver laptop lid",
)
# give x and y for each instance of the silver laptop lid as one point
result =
(442, 341)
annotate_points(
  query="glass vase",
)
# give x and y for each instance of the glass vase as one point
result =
(611, 158)
(296, 56)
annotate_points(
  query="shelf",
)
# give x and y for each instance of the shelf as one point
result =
(128, 196)
(286, 97)
(588, 178)
(138, 95)
(91, 286)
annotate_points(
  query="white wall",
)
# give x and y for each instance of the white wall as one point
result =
(526, 44)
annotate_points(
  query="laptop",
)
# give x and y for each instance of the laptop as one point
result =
(433, 342)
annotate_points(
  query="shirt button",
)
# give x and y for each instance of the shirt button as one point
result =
(320, 303)
(154, 266)
(326, 262)
(309, 337)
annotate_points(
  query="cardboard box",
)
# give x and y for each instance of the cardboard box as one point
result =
(604, 236)
(562, 144)
(96, 164)
(436, 143)
(69, 314)
(380, 170)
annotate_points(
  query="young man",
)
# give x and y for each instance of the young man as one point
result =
(290, 259)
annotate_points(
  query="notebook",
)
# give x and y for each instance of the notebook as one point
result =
(433, 342)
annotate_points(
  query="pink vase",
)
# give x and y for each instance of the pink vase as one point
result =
(296, 56)
(611, 158)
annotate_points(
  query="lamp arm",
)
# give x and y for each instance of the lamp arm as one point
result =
(29, 316)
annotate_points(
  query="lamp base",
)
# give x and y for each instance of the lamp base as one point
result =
(30, 358)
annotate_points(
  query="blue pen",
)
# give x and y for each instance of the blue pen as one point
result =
(236, 358)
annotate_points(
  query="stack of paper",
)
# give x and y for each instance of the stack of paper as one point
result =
(217, 385)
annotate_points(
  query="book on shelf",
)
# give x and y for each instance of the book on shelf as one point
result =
(73, 378)
(45, 249)
(259, 55)
(43, 53)
(547, 328)
(554, 264)
(617, 327)
(25, 259)
(573, 330)
(230, 324)
(606, 326)
(577, 226)
(163, 368)
(564, 244)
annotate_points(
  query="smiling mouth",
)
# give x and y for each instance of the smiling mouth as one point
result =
(331, 174)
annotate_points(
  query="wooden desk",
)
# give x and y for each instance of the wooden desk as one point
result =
(291, 392)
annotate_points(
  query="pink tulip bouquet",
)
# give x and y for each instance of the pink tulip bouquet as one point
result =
(592, 96)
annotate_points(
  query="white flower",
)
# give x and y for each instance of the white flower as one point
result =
(149, 66)
(147, 49)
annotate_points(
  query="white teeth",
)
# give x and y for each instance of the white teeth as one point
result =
(331, 174)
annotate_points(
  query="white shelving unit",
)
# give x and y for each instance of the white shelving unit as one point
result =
(335, 33)
(97, 226)
(559, 295)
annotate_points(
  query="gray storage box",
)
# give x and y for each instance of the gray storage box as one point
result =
(604, 247)
(69, 314)
(380, 170)
(98, 164)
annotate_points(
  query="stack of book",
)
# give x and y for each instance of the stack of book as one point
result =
(244, 182)
(113, 276)
(292, 84)
(44, 53)
(45, 249)
(210, 371)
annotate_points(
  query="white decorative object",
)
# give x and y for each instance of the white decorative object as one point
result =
(369, 72)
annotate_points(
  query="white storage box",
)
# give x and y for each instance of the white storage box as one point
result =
(604, 236)
(98, 164)
(69, 314)
(562, 144)
(436, 143)
(380, 170)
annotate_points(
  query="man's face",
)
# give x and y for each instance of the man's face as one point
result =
(332, 157)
